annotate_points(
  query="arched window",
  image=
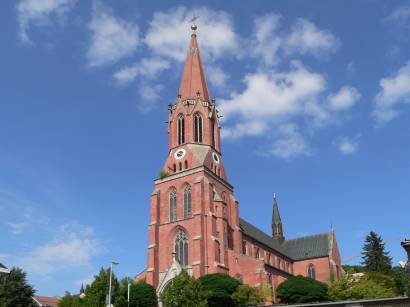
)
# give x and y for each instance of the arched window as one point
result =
(257, 253)
(213, 131)
(187, 202)
(311, 271)
(172, 205)
(181, 248)
(217, 252)
(198, 128)
(244, 248)
(180, 166)
(174, 167)
(181, 129)
(186, 164)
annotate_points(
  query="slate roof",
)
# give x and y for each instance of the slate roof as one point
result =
(296, 249)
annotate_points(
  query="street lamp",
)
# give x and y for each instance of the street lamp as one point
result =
(128, 297)
(109, 291)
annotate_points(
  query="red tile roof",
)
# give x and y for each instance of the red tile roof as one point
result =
(47, 301)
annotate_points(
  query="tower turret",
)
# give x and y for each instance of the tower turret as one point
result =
(277, 228)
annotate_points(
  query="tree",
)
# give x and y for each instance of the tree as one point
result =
(69, 300)
(247, 296)
(300, 289)
(220, 288)
(96, 293)
(363, 286)
(375, 258)
(142, 295)
(184, 291)
(14, 289)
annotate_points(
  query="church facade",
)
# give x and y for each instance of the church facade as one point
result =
(194, 217)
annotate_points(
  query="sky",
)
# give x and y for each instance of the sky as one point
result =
(315, 98)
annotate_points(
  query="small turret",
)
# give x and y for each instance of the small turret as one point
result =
(277, 228)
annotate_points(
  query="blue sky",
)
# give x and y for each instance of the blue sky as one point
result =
(315, 97)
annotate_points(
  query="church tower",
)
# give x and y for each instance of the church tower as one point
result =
(277, 228)
(194, 219)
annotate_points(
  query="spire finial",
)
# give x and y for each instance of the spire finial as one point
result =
(274, 195)
(194, 27)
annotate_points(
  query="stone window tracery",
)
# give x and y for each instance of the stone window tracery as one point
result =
(181, 248)
(311, 271)
(181, 129)
(198, 128)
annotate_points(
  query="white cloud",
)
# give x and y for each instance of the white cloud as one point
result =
(168, 33)
(73, 247)
(18, 228)
(112, 38)
(148, 68)
(216, 76)
(306, 38)
(250, 128)
(39, 13)
(290, 143)
(344, 99)
(346, 145)
(400, 16)
(149, 94)
(270, 97)
(395, 90)
(267, 41)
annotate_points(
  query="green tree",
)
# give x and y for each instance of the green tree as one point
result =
(220, 288)
(14, 289)
(300, 289)
(366, 286)
(142, 295)
(96, 293)
(375, 258)
(247, 296)
(184, 291)
(69, 300)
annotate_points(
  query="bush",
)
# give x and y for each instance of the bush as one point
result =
(69, 300)
(142, 295)
(299, 289)
(362, 287)
(247, 296)
(220, 288)
(184, 291)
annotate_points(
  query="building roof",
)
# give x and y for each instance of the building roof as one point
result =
(193, 83)
(46, 301)
(3, 268)
(314, 246)
(296, 249)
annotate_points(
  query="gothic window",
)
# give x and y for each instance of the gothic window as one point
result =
(174, 168)
(187, 202)
(311, 271)
(181, 248)
(244, 248)
(257, 253)
(172, 205)
(181, 129)
(230, 238)
(180, 166)
(213, 131)
(198, 128)
(186, 164)
(217, 251)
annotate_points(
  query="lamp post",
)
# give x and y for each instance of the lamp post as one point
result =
(109, 290)
(128, 296)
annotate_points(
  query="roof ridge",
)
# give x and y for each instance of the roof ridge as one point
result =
(308, 236)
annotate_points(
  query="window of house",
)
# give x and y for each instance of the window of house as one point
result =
(181, 129)
(257, 253)
(217, 251)
(186, 164)
(311, 271)
(198, 128)
(187, 201)
(181, 248)
(244, 248)
(172, 205)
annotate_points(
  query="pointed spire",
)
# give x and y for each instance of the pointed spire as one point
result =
(277, 228)
(82, 289)
(193, 84)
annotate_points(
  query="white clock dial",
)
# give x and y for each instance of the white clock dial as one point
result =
(179, 154)
(215, 157)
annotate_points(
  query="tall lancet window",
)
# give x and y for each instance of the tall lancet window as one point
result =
(172, 205)
(198, 128)
(187, 202)
(181, 129)
(213, 131)
(311, 271)
(181, 248)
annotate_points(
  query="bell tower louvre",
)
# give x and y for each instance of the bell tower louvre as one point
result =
(194, 216)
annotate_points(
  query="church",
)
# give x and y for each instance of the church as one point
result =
(195, 222)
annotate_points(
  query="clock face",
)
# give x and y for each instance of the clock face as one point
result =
(215, 157)
(179, 154)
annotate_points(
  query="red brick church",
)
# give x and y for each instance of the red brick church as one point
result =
(194, 216)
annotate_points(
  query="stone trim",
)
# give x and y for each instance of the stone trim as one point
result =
(150, 270)
(151, 246)
(152, 223)
(197, 237)
(196, 263)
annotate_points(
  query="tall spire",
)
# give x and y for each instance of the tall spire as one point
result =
(277, 228)
(193, 84)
